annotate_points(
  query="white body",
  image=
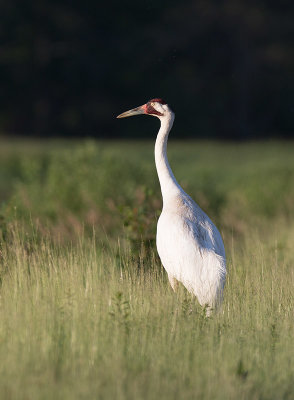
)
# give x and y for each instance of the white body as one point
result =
(188, 243)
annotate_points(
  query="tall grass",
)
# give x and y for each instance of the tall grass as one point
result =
(78, 322)
(91, 315)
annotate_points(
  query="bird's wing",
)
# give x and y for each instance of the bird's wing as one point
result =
(204, 231)
(188, 252)
(205, 234)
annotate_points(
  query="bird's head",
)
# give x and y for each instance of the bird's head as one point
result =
(155, 107)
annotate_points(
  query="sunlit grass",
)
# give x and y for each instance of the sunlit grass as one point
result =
(86, 310)
(83, 323)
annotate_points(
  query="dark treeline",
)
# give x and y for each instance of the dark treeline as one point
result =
(68, 67)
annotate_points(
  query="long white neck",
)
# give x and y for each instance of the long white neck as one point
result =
(168, 183)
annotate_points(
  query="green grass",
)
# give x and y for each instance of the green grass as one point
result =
(85, 308)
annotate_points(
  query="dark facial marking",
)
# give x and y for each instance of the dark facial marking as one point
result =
(151, 110)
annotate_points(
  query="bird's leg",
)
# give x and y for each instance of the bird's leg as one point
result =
(207, 311)
(173, 282)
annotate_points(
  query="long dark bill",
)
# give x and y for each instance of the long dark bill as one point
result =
(131, 113)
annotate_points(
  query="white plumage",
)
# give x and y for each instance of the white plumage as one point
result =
(188, 243)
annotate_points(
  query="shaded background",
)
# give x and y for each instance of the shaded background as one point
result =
(226, 68)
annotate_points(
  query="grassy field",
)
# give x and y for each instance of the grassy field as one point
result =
(85, 307)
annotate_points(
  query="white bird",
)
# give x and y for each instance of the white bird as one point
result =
(188, 243)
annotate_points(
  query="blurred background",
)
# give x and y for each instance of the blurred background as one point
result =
(67, 68)
(225, 67)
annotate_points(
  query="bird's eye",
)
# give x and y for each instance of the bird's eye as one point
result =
(153, 104)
